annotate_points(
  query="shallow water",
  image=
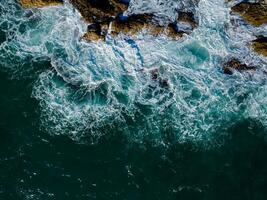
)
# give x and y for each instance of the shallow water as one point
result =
(86, 120)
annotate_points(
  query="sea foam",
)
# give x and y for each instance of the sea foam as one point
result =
(98, 88)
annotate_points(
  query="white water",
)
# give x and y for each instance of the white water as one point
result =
(95, 88)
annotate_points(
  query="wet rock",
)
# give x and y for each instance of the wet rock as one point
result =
(135, 23)
(260, 45)
(132, 24)
(106, 16)
(40, 3)
(111, 12)
(234, 64)
(94, 32)
(185, 24)
(99, 10)
(253, 13)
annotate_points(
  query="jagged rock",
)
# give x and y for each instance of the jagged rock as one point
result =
(106, 16)
(185, 23)
(39, 3)
(94, 32)
(260, 45)
(133, 24)
(234, 64)
(99, 10)
(253, 13)
(111, 12)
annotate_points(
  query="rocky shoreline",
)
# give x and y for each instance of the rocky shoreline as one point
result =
(110, 17)
(253, 13)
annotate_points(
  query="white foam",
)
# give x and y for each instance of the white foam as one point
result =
(99, 87)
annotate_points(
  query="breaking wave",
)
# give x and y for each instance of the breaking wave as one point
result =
(145, 87)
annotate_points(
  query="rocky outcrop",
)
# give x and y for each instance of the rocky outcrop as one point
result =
(39, 3)
(253, 13)
(236, 65)
(99, 10)
(260, 45)
(131, 25)
(109, 17)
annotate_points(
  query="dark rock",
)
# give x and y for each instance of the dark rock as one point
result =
(260, 45)
(99, 10)
(158, 79)
(253, 13)
(126, 2)
(185, 24)
(234, 64)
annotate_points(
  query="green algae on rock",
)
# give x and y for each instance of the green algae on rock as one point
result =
(39, 3)
(253, 13)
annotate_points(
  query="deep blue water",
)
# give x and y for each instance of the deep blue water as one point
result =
(84, 120)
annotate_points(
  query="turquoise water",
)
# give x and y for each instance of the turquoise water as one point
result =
(85, 120)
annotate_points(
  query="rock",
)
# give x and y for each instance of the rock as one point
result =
(94, 32)
(185, 24)
(111, 12)
(253, 13)
(234, 64)
(108, 16)
(260, 45)
(39, 3)
(99, 10)
(92, 36)
(187, 17)
(133, 24)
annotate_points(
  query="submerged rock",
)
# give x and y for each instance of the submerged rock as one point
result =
(234, 64)
(158, 79)
(253, 13)
(39, 3)
(260, 45)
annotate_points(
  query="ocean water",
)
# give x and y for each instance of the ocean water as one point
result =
(83, 120)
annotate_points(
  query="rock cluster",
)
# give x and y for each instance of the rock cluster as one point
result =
(107, 16)
(255, 14)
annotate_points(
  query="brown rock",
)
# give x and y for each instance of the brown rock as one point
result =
(132, 24)
(235, 64)
(253, 13)
(98, 10)
(187, 17)
(39, 3)
(260, 45)
(110, 12)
